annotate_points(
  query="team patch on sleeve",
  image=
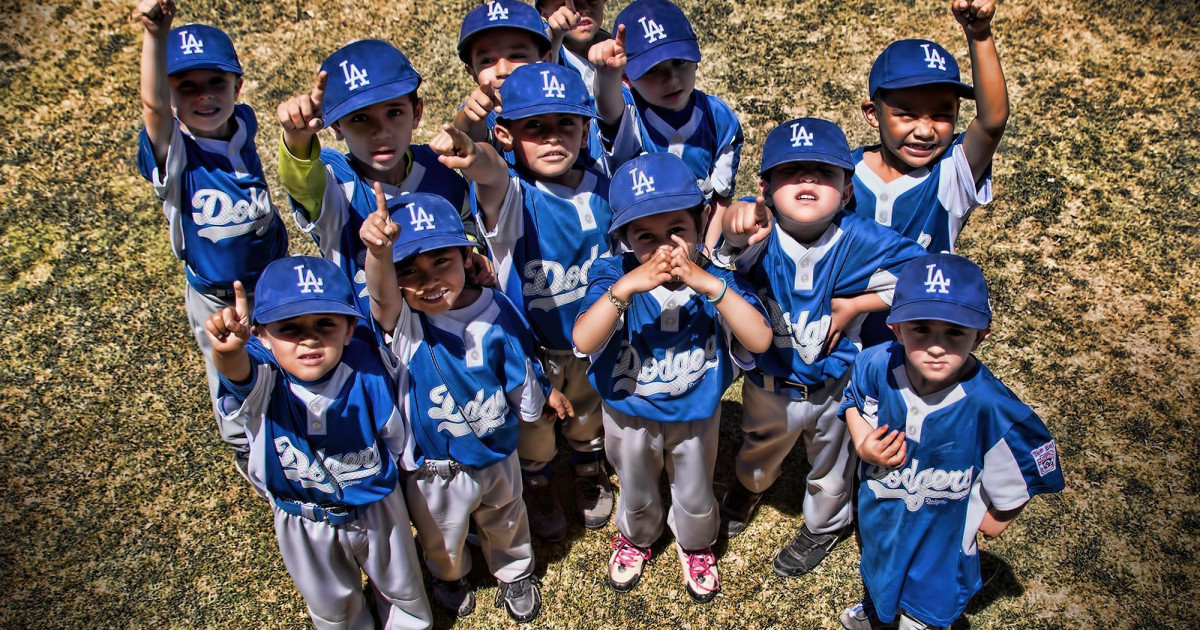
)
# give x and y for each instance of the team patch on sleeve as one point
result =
(1046, 457)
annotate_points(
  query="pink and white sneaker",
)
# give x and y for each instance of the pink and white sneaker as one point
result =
(699, 573)
(626, 563)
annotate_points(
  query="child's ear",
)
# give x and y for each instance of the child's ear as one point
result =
(261, 333)
(871, 113)
(471, 73)
(503, 136)
(848, 190)
(980, 336)
(418, 105)
(337, 132)
(237, 88)
(353, 321)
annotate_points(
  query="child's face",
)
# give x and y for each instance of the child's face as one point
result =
(432, 282)
(647, 234)
(307, 346)
(203, 100)
(497, 52)
(668, 84)
(937, 353)
(591, 13)
(546, 145)
(378, 136)
(916, 125)
(807, 195)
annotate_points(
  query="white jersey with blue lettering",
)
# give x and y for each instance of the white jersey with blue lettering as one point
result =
(545, 242)
(671, 356)
(706, 135)
(970, 447)
(465, 379)
(222, 222)
(929, 205)
(797, 283)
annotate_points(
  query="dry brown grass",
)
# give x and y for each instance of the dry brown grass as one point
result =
(122, 508)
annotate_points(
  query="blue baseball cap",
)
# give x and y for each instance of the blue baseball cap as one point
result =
(200, 47)
(806, 140)
(363, 73)
(545, 88)
(652, 183)
(302, 285)
(942, 287)
(912, 62)
(655, 30)
(501, 14)
(427, 222)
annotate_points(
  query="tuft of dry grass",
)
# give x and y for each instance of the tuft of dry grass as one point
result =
(123, 509)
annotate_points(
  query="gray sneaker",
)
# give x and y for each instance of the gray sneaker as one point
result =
(546, 518)
(455, 596)
(522, 599)
(593, 494)
(856, 617)
(806, 551)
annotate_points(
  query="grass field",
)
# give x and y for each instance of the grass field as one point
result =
(122, 509)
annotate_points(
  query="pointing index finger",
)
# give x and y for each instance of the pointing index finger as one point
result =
(240, 303)
(318, 92)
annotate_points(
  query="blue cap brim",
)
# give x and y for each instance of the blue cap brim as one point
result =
(656, 205)
(370, 96)
(963, 90)
(206, 64)
(685, 49)
(810, 156)
(538, 109)
(401, 251)
(310, 306)
(941, 311)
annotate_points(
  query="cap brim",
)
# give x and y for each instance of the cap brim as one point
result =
(685, 49)
(939, 310)
(401, 251)
(823, 158)
(305, 307)
(963, 90)
(370, 96)
(656, 205)
(546, 108)
(206, 64)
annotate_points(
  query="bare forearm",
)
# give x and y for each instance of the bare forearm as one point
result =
(996, 521)
(233, 365)
(595, 326)
(991, 90)
(382, 284)
(744, 321)
(156, 94)
(490, 174)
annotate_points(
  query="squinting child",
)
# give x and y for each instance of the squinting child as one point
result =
(198, 150)
(947, 450)
(320, 415)
(546, 222)
(467, 378)
(663, 334)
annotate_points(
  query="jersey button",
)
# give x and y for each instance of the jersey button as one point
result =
(474, 355)
(913, 412)
(883, 197)
(316, 426)
(804, 264)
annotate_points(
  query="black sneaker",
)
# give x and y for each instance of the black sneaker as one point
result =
(738, 507)
(455, 596)
(522, 599)
(546, 518)
(593, 494)
(806, 551)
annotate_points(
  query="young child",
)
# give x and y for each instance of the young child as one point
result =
(198, 150)
(546, 222)
(663, 335)
(816, 273)
(463, 359)
(320, 415)
(947, 450)
(656, 52)
(366, 93)
(495, 39)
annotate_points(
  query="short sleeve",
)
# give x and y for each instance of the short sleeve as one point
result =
(1023, 463)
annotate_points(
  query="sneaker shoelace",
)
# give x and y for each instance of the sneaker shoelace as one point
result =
(627, 552)
(700, 568)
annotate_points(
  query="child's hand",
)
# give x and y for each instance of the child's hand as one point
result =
(745, 219)
(655, 271)
(155, 15)
(684, 269)
(378, 232)
(882, 448)
(975, 16)
(482, 101)
(480, 271)
(454, 147)
(843, 312)
(302, 114)
(563, 21)
(557, 406)
(229, 328)
(609, 55)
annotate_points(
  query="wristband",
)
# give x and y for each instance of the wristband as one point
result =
(724, 288)
(617, 302)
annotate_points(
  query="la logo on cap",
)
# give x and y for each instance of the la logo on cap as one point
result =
(551, 86)
(935, 281)
(308, 282)
(419, 219)
(933, 58)
(800, 136)
(641, 183)
(651, 30)
(496, 12)
(355, 78)
(189, 44)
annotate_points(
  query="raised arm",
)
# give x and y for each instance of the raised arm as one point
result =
(156, 17)
(608, 56)
(378, 233)
(479, 163)
(991, 92)
(228, 331)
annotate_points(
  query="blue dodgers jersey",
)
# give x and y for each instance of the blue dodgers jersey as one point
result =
(709, 140)
(466, 379)
(595, 156)
(671, 358)
(797, 283)
(970, 446)
(349, 199)
(223, 225)
(328, 443)
(546, 240)
(929, 205)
